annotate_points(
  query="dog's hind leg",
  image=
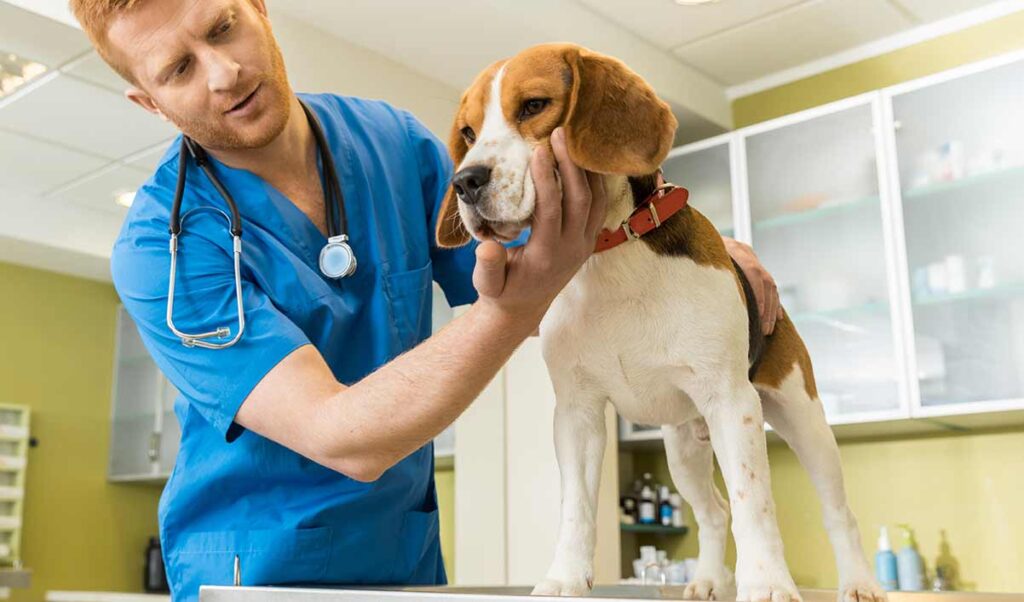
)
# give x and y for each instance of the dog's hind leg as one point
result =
(690, 460)
(800, 420)
(579, 447)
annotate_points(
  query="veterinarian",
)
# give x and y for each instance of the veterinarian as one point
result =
(306, 451)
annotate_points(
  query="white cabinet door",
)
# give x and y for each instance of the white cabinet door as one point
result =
(442, 314)
(960, 147)
(817, 223)
(137, 389)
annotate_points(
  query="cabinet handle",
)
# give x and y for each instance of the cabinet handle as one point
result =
(154, 447)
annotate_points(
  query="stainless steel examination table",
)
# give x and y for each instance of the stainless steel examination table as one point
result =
(608, 593)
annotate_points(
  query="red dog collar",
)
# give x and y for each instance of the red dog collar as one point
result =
(663, 203)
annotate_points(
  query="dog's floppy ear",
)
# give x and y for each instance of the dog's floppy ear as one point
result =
(615, 123)
(451, 232)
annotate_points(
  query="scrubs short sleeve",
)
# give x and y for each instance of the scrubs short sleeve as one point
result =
(215, 381)
(453, 268)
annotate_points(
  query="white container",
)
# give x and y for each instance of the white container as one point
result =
(956, 274)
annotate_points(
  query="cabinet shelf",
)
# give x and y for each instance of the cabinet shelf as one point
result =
(827, 316)
(967, 182)
(975, 294)
(653, 529)
(820, 212)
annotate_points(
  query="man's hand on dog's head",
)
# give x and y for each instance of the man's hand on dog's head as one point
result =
(523, 281)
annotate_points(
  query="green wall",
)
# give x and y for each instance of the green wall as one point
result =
(945, 52)
(971, 485)
(445, 479)
(80, 532)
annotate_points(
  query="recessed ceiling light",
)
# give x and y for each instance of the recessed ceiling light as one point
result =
(125, 199)
(694, 2)
(16, 71)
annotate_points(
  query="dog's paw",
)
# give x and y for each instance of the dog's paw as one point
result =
(720, 586)
(567, 587)
(782, 590)
(862, 590)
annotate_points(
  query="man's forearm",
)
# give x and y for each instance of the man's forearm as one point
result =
(409, 401)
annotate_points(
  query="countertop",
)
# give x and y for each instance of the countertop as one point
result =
(59, 596)
(609, 593)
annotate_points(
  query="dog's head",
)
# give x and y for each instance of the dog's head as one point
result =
(614, 124)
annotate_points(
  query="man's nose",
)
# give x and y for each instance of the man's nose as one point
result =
(223, 72)
(469, 181)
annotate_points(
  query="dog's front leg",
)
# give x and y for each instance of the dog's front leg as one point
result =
(734, 417)
(579, 447)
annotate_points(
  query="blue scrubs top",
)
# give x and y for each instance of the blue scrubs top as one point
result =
(233, 492)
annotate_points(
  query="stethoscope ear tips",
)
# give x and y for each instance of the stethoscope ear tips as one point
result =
(337, 259)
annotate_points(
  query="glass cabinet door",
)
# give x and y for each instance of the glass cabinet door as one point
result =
(960, 146)
(137, 386)
(706, 174)
(816, 223)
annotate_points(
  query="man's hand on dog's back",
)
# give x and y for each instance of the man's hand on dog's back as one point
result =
(523, 281)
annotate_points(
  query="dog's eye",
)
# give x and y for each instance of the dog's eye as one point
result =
(468, 134)
(533, 106)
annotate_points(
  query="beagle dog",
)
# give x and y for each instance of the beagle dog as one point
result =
(660, 322)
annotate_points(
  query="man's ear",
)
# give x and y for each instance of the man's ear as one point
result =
(139, 97)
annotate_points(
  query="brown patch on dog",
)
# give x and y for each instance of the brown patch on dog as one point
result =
(451, 232)
(748, 420)
(689, 234)
(686, 233)
(785, 349)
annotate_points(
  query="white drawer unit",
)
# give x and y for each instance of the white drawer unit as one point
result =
(14, 444)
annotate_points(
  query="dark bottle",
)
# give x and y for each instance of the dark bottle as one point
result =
(155, 579)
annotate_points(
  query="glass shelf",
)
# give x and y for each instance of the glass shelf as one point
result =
(654, 529)
(822, 211)
(869, 308)
(964, 184)
(976, 294)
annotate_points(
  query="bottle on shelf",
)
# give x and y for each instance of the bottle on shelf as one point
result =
(647, 506)
(665, 507)
(677, 510)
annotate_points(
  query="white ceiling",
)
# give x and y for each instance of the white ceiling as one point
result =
(730, 41)
(70, 142)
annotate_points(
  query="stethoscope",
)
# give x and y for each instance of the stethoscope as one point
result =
(336, 258)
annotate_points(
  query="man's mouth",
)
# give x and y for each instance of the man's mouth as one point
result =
(245, 102)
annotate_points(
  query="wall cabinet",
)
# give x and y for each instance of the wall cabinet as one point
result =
(891, 222)
(145, 433)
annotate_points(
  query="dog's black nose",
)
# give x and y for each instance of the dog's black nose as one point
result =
(469, 181)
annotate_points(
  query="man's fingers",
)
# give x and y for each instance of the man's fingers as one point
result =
(489, 273)
(547, 215)
(576, 194)
(598, 204)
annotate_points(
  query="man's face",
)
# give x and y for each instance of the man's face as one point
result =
(212, 67)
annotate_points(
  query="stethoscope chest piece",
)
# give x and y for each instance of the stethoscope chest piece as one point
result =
(336, 258)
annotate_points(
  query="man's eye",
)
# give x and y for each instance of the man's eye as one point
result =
(182, 67)
(469, 134)
(533, 106)
(224, 27)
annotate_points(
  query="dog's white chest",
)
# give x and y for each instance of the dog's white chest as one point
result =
(635, 327)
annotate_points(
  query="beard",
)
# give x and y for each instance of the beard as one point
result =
(214, 134)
